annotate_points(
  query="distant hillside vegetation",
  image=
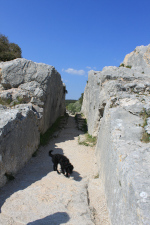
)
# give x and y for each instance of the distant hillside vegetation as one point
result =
(8, 51)
(68, 101)
(74, 106)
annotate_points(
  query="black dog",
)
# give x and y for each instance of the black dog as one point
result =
(66, 166)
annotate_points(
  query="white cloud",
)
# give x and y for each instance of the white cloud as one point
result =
(91, 68)
(75, 72)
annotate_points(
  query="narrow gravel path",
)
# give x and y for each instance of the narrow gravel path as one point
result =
(40, 196)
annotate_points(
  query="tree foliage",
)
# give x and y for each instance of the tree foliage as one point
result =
(81, 98)
(76, 106)
(8, 51)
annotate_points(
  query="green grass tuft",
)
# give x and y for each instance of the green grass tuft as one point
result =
(96, 177)
(128, 66)
(145, 137)
(88, 141)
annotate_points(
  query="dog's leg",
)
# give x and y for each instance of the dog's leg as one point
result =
(67, 174)
(55, 167)
(62, 168)
(63, 171)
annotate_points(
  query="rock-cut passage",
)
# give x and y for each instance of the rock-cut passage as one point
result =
(39, 195)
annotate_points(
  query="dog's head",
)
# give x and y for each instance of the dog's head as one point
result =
(69, 168)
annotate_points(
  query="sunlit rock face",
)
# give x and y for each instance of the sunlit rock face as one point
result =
(24, 81)
(116, 104)
(32, 97)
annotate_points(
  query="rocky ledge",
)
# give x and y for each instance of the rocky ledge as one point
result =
(117, 107)
(32, 97)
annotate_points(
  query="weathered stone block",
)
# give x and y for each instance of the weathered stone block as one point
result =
(113, 101)
(34, 97)
(19, 138)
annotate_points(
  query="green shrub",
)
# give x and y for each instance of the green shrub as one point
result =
(128, 66)
(68, 101)
(8, 51)
(121, 65)
(75, 107)
(81, 98)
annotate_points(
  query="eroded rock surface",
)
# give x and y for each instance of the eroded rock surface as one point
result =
(117, 107)
(19, 138)
(24, 81)
(32, 97)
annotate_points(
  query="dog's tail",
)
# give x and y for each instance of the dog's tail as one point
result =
(50, 154)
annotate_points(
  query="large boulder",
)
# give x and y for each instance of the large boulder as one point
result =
(32, 97)
(25, 81)
(19, 139)
(116, 104)
(139, 59)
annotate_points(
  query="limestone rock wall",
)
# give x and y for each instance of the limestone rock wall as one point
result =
(40, 84)
(113, 101)
(32, 97)
(19, 138)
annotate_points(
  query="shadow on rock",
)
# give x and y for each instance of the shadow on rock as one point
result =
(38, 167)
(56, 218)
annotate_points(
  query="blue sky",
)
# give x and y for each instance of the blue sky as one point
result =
(76, 36)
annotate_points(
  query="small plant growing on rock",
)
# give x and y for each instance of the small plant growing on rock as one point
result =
(18, 101)
(128, 66)
(88, 140)
(5, 102)
(121, 65)
(145, 137)
(145, 115)
(96, 177)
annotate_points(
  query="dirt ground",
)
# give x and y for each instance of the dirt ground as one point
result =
(40, 196)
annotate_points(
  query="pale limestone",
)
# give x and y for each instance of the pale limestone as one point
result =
(113, 101)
